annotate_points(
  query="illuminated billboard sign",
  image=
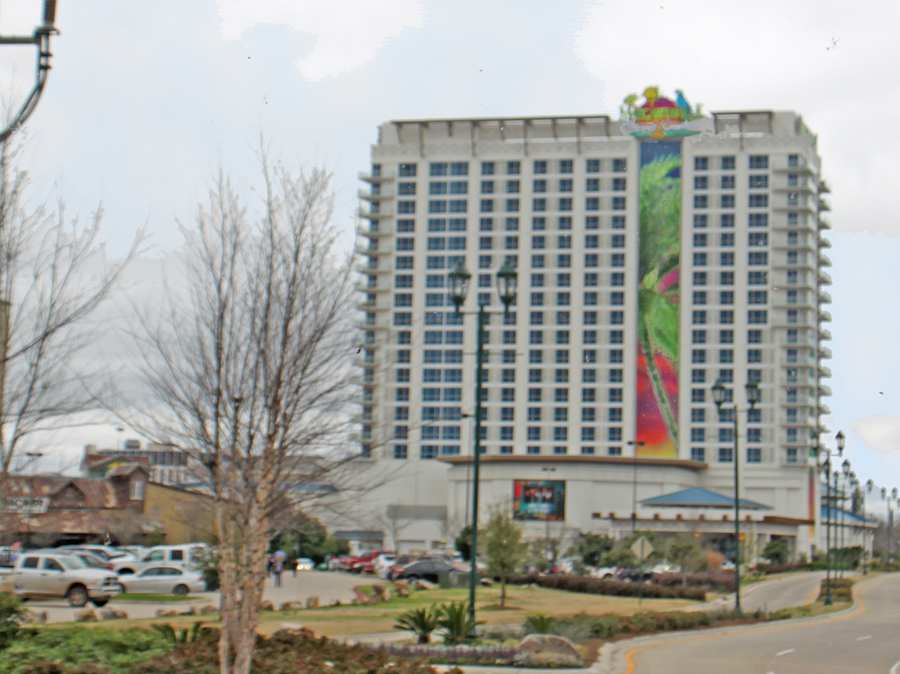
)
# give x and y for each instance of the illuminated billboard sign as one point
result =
(539, 500)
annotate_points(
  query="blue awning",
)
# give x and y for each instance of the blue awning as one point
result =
(838, 516)
(698, 497)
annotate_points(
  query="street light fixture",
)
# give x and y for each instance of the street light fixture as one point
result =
(459, 287)
(720, 393)
(40, 38)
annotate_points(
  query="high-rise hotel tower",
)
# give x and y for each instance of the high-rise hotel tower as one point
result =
(656, 254)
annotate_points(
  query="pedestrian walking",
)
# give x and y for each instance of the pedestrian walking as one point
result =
(278, 568)
(270, 562)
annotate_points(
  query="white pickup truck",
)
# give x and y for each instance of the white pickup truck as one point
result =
(47, 575)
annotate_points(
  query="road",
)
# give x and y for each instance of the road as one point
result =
(328, 587)
(796, 589)
(861, 640)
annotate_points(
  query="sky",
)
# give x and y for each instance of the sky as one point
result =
(147, 100)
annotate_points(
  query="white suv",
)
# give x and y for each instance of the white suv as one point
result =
(180, 556)
(42, 575)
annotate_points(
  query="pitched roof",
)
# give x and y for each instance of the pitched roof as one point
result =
(698, 497)
(127, 469)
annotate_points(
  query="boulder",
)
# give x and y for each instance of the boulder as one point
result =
(546, 649)
(33, 618)
(401, 587)
(85, 615)
(487, 582)
(296, 628)
(163, 613)
(312, 602)
(190, 611)
(113, 614)
(382, 592)
(266, 605)
(336, 602)
(291, 606)
(424, 585)
(207, 609)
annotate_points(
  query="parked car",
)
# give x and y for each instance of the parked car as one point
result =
(665, 568)
(185, 556)
(604, 572)
(43, 575)
(428, 569)
(364, 563)
(105, 551)
(305, 564)
(162, 579)
(92, 560)
(381, 564)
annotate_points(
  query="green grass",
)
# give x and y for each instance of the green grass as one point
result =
(126, 596)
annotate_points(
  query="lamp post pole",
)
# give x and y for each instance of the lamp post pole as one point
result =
(830, 495)
(459, 287)
(719, 395)
(635, 444)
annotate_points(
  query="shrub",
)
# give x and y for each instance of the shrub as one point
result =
(11, 614)
(454, 618)
(421, 621)
(539, 624)
(615, 588)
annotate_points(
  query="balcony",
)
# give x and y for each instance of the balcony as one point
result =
(824, 206)
(793, 200)
(824, 243)
(784, 164)
(824, 390)
(824, 409)
(374, 196)
(375, 213)
(376, 178)
(824, 372)
(824, 298)
(824, 317)
(824, 335)
(824, 260)
(824, 278)
(824, 352)
(824, 224)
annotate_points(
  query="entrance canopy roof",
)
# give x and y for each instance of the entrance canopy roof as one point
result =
(698, 497)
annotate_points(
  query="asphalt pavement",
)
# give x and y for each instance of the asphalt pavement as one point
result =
(861, 640)
(327, 586)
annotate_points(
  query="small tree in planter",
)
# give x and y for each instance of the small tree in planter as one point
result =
(504, 550)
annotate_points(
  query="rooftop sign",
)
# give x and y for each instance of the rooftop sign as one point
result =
(659, 117)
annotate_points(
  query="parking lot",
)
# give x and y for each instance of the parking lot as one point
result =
(327, 586)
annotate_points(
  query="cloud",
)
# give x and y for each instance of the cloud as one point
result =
(879, 432)
(348, 33)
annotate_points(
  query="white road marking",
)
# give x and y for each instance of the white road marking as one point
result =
(868, 636)
(790, 650)
(896, 668)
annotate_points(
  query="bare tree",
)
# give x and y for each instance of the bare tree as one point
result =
(54, 275)
(249, 367)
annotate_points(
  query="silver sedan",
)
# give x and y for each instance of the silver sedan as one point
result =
(163, 580)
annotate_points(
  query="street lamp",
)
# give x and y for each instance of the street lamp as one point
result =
(635, 444)
(459, 287)
(890, 526)
(40, 38)
(826, 470)
(845, 471)
(720, 393)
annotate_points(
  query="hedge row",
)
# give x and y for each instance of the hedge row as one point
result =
(717, 581)
(614, 588)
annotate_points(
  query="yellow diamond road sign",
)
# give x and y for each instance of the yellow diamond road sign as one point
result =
(641, 548)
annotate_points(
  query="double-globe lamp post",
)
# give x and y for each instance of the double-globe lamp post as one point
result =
(831, 494)
(720, 393)
(459, 288)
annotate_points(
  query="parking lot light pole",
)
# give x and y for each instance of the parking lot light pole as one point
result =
(826, 455)
(635, 444)
(720, 393)
(845, 471)
(459, 287)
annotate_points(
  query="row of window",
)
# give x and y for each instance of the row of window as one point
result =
(563, 280)
(726, 239)
(727, 336)
(510, 224)
(700, 297)
(508, 395)
(726, 317)
(728, 201)
(726, 220)
(755, 162)
(538, 186)
(726, 278)
(725, 454)
(538, 261)
(489, 168)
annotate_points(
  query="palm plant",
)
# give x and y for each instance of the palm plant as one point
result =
(421, 621)
(176, 637)
(454, 618)
(539, 623)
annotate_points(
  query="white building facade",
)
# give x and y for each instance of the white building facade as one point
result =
(655, 254)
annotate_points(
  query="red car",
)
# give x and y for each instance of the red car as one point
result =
(364, 562)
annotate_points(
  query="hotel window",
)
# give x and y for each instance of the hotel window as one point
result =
(592, 185)
(619, 184)
(513, 168)
(700, 220)
(698, 376)
(758, 239)
(760, 161)
(699, 259)
(726, 297)
(592, 166)
(565, 185)
(727, 163)
(701, 163)
(698, 337)
(725, 454)
(758, 182)
(726, 239)
(619, 165)
(565, 166)
(540, 166)
(727, 259)
(726, 220)
(727, 182)
(701, 182)
(758, 201)
(698, 454)
(757, 258)
(701, 201)
(757, 297)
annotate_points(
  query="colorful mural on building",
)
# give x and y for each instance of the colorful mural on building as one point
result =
(658, 298)
(659, 117)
